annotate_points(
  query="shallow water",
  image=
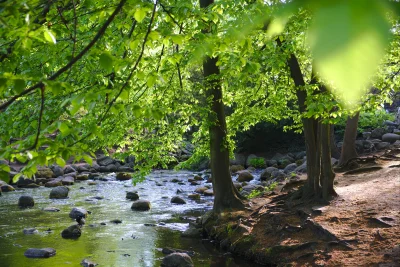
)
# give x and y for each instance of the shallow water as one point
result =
(130, 243)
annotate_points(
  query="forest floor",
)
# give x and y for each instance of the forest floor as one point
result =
(360, 227)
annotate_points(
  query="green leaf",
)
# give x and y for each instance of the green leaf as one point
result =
(88, 159)
(64, 129)
(60, 161)
(178, 39)
(19, 86)
(106, 61)
(3, 83)
(49, 36)
(151, 80)
(41, 159)
(140, 14)
(5, 168)
(348, 39)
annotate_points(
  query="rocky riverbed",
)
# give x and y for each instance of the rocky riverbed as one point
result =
(114, 234)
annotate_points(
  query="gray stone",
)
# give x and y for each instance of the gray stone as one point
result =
(302, 168)
(54, 183)
(245, 176)
(51, 209)
(7, 188)
(111, 168)
(178, 200)
(192, 233)
(382, 145)
(177, 260)
(23, 181)
(377, 133)
(239, 159)
(78, 212)
(105, 161)
(278, 175)
(208, 192)
(132, 195)
(30, 231)
(40, 252)
(201, 189)
(390, 137)
(59, 192)
(141, 205)
(125, 169)
(57, 170)
(290, 168)
(82, 177)
(390, 123)
(366, 135)
(74, 231)
(194, 196)
(88, 263)
(266, 174)
(123, 176)
(44, 172)
(26, 202)
(68, 180)
(68, 169)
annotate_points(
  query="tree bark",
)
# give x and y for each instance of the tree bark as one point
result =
(317, 136)
(226, 197)
(335, 152)
(349, 141)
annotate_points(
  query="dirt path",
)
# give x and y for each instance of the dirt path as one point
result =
(368, 212)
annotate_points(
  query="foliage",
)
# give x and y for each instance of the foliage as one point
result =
(257, 163)
(367, 121)
(257, 193)
(78, 76)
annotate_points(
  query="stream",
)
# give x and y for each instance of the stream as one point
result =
(137, 241)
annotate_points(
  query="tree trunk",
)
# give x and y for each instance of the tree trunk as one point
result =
(335, 152)
(349, 141)
(317, 136)
(226, 196)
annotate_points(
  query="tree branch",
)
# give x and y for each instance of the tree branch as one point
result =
(72, 62)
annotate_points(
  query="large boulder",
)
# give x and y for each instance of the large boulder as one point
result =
(57, 170)
(178, 200)
(78, 212)
(68, 180)
(302, 168)
(74, 231)
(266, 174)
(105, 160)
(245, 176)
(44, 172)
(69, 169)
(390, 137)
(177, 260)
(123, 176)
(26, 202)
(23, 182)
(382, 145)
(201, 189)
(290, 168)
(208, 192)
(132, 195)
(40, 252)
(192, 233)
(141, 205)
(378, 133)
(278, 175)
(54, 183)
(239, 159)
(6, 188)
(59, 192)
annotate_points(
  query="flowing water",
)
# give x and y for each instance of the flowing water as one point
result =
(130, 243)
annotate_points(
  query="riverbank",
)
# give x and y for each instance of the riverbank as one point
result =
(360, 227)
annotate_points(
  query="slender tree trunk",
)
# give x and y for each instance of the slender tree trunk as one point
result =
(335, 152)
(327, 174)
(349, 141)
(226, 196)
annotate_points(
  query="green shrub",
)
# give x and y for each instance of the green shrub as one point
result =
(257, 162)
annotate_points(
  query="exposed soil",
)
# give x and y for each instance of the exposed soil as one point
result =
(361, 227)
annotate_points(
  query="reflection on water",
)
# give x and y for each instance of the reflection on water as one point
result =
(130, 243)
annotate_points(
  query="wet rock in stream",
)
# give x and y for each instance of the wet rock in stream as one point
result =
(26, 202)
(178, 200)
(177, 260)
(132, 195)
(141, 205)
(40, 252)
(59, 192)
(78, 213)
(74, 231)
